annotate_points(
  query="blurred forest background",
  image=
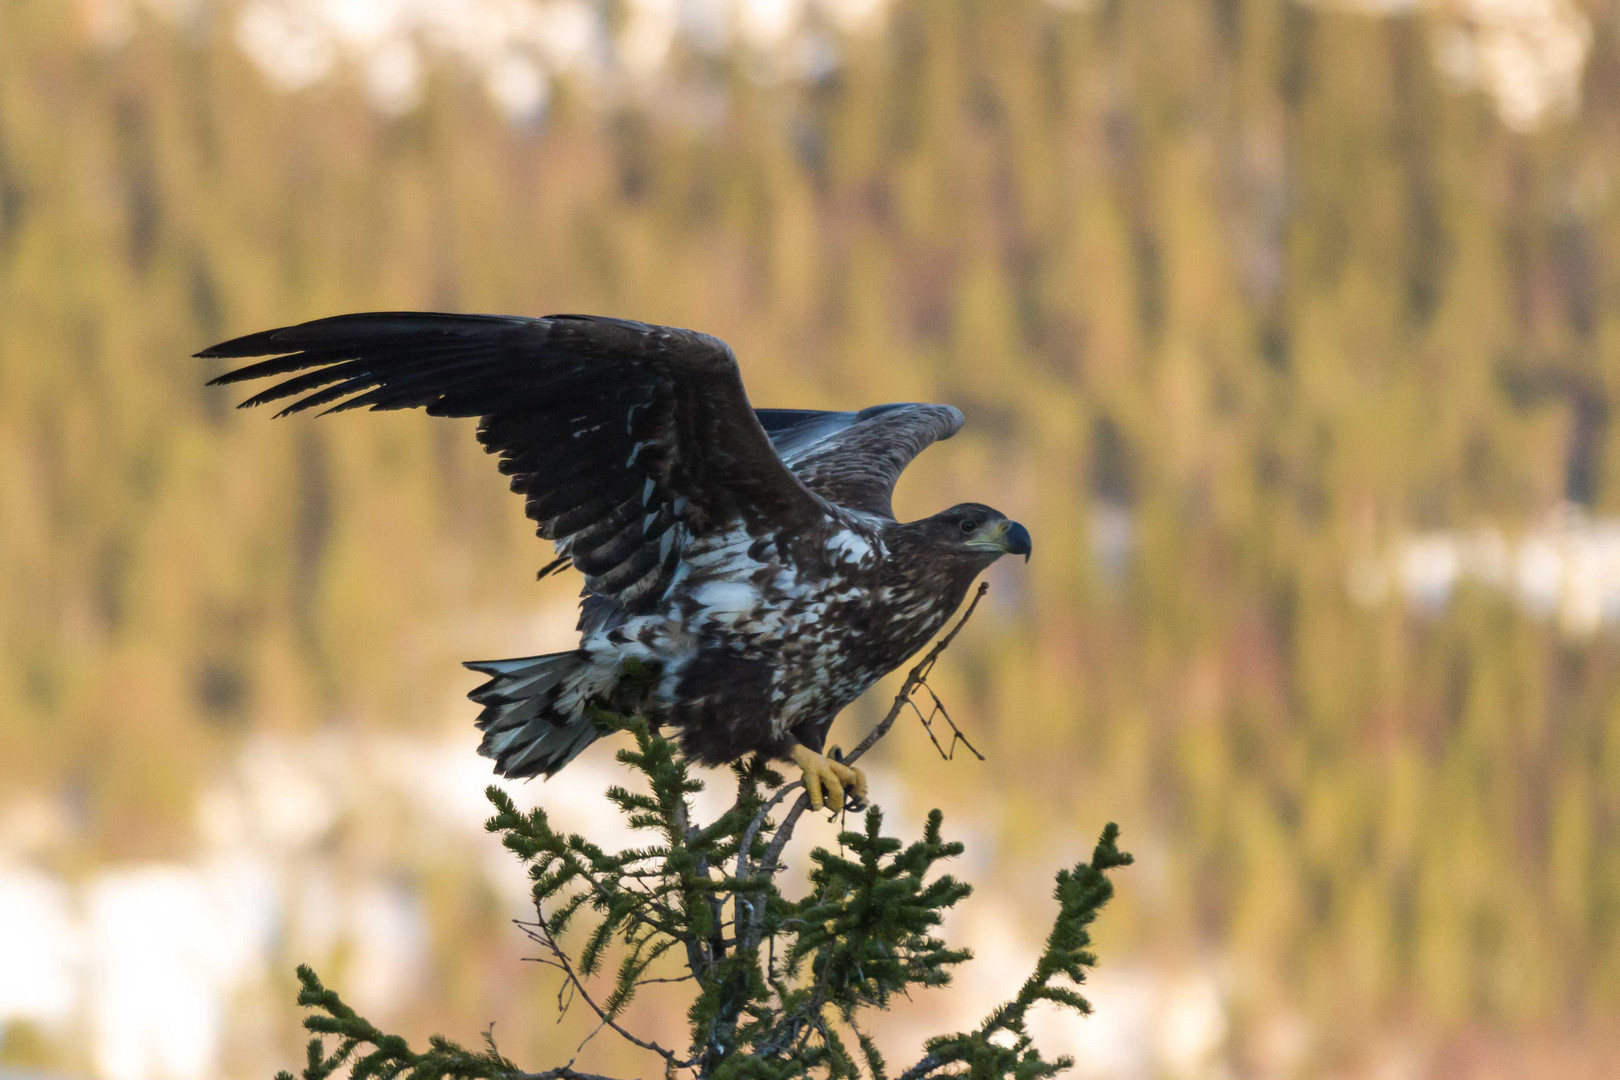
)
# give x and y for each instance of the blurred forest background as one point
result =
(1291, 331)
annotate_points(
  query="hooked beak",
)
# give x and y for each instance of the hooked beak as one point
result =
(1008, 537)
(1017, 540)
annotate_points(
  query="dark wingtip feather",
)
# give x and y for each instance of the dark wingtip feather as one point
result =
(284, 362)
(263, 343)
(371, 325)
(335, 338)
(327, 331)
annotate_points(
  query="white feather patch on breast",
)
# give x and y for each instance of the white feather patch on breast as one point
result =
(725, 601)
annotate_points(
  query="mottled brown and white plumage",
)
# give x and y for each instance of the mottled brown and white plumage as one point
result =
(745, 565)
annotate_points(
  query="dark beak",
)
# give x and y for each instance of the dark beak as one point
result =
(1017, 540)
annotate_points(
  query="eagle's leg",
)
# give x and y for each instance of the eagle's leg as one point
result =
(823, 774)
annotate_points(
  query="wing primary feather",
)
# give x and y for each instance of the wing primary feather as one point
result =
(560, 563)
(343, 331)
(330, 394)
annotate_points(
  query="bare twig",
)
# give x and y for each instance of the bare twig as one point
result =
(918, 677)
(770, 865)
(539, 932)
(745, 868)
(586, 1041)
(750, 833)
(939, 710)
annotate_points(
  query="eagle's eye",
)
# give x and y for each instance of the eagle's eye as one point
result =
(969, 525)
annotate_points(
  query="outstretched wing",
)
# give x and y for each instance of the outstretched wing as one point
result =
(627, 440)
(854, 459)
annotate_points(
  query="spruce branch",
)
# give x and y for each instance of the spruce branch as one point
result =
(370, 1053)
(1081, 893)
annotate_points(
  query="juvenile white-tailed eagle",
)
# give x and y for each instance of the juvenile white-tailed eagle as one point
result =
(745, 577)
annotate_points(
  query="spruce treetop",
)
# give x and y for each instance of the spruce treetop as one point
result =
(778, 987)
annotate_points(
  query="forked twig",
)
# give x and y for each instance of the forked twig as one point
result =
(939, 710)
(919, 677)
(539, 931)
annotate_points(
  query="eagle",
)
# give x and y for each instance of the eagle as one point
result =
(745, 575)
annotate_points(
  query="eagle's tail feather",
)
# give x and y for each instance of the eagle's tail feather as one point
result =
(523, 730)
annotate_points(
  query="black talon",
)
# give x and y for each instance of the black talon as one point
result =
(852, 801)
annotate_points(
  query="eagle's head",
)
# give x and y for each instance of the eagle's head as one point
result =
(976, 532)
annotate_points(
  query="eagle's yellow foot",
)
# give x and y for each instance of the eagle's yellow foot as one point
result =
(824, 775)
